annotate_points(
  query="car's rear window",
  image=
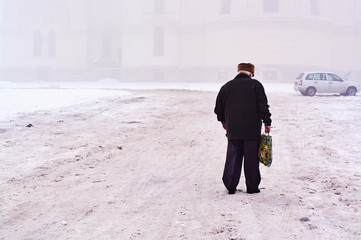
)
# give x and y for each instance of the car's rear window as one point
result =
(309, 76)
(300, 76)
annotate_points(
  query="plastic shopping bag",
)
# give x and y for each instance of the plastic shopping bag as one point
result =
(265, 150)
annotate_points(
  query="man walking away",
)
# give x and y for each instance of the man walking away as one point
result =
(241, 106)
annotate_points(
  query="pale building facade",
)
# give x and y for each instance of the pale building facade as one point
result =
(176, 40)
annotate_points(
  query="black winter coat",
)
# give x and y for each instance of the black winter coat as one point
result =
(242, 105)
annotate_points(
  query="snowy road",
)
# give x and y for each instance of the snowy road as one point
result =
(149, 166)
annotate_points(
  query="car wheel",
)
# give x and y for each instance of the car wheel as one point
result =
(311, 91)
(304, 94)
(351, 91)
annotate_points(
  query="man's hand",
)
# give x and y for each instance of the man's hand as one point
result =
(267, 129)
(224, 126)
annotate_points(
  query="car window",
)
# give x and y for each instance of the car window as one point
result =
(300, 76)
(323, 76)
(319, 76)
(309, 76)
(334, 77)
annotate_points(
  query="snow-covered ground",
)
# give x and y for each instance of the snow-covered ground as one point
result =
(114, 84)
(144, 161)
(27, 97)
(13, 101)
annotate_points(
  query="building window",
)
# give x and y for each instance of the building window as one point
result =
(107, 45)
(314, 7)
(356, 11)
(159, 6)
(51, 44)
(37, 44)
(158, 41)
(226, 6)
(158, 76)
(120, 56)
(270, 6)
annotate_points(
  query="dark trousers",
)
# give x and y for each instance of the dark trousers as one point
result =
(236, 150)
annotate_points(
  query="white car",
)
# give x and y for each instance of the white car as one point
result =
(309, 83)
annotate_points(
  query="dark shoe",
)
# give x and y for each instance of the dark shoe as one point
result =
(231, 191)
(254, 191)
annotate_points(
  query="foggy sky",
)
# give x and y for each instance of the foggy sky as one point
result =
(177, 39)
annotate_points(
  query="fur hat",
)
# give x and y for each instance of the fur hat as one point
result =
(249, 67)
